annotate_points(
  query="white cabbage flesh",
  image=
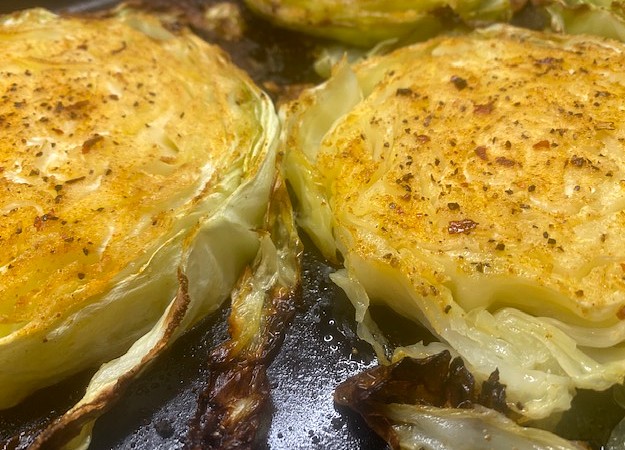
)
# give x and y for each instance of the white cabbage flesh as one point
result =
(164, 154)
(601, 18)
(429, 428)
(550, 321)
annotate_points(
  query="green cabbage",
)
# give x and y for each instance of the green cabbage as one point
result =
(365, 23)
(173, 219)
(371, 156)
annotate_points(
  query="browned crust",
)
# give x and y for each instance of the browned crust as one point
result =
(230, 408)
(236, 377)
(436, 380)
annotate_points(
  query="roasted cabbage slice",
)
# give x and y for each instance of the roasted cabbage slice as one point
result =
(474, 184)
(136, 168)
(368, 22)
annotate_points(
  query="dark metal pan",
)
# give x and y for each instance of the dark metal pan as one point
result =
(320, 348)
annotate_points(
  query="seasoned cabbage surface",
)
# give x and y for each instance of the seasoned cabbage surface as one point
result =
(136, 167)
(475, 185)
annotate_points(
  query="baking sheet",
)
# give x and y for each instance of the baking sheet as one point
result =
(320, 349)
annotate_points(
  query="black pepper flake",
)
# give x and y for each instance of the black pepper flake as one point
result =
(458, 82)
(551, 241)
(81, 275)
(453, 206)
(506, 162)
(403, 92)
(501, 246)
(90, 143)
(85, 250)
(447, 309)
(579, 293)
(531, 188)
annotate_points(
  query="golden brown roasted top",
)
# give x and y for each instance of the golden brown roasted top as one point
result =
(111, 131)
(491, 158)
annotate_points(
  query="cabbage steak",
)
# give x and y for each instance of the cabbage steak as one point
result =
(137, 165)
(474, 184)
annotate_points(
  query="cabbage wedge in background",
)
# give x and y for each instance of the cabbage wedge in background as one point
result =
(139, 185)
(366, 23)
(371, 22)
(473, 184)
(601, 18)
